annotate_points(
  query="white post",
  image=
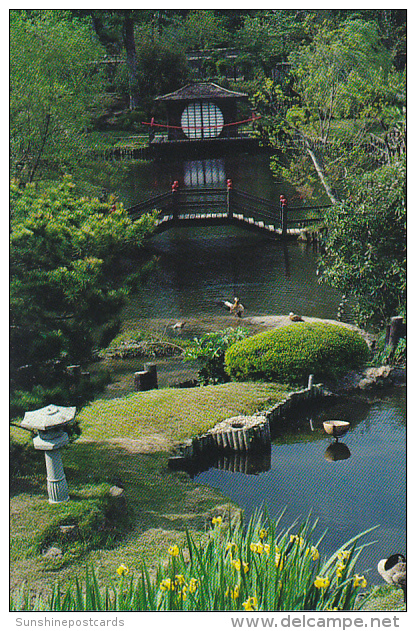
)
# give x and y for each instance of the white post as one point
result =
(49, 423)
(55, 478)
(51, 443)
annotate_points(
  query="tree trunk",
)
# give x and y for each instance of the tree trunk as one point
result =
(130, 45)
(320, 173)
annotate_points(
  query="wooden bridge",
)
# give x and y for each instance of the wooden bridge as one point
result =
(219, 206)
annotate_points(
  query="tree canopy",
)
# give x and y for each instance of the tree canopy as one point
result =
(55, 89)
(67, 276)
(365, 249)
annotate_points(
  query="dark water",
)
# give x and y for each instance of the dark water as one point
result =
(249, 172)
(349, 495)
(198, 267)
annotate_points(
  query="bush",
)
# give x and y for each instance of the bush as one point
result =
(210, 350)
(289, 354)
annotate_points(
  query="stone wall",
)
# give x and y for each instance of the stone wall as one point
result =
(246, 433)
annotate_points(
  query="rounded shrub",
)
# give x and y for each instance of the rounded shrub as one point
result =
(291, 353)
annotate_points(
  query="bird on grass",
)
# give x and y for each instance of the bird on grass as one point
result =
(393, 570)
(178, 326)
(295, 318)
(236, 308)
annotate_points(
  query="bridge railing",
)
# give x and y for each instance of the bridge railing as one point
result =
(194, 202)
(159, 202)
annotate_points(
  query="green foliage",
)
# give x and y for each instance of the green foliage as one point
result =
(60, 389)
(203, 29)
(266, 39)
(210, 351)
(54, 90)
(365, 249)
(67, 276)
(291, 353)
(254, 568)
(22, 459)
(333, 72)
(161, 68)
(383, 354)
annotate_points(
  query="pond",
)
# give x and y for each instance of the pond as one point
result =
(249, 172)
(198, 268)
(366, 487)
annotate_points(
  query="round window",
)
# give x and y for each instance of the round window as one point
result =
(202, 119)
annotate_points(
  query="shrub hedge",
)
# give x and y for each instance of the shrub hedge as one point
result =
(291, 353)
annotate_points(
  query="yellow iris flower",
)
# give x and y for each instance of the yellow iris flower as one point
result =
(313, 552)
(359, 581)
(321, 582)
(122, 570)
(166, 585)
(173, 551)
(233, 592)
(257, 547)
(250, 604)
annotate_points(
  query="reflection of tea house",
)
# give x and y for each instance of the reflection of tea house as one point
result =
(201, 111)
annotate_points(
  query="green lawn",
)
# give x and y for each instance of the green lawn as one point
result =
(173, 414)
(125, 440)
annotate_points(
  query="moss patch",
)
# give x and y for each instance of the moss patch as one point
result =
(384, 598)
(170, 415)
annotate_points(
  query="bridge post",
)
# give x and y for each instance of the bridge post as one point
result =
(229, 200)
(283, 215)
(175, 199)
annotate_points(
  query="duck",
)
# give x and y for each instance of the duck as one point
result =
(393, 570)
(235, 307)
(295, 318)
(178, 326)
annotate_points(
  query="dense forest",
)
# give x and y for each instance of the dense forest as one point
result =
(326, 83)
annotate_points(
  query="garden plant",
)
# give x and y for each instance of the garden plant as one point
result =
(289, 354)
(260, 567)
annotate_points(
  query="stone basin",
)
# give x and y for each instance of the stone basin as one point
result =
(336, 428)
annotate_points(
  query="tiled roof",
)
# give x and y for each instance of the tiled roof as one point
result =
(201, 91)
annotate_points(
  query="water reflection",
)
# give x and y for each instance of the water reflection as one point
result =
(337, 451)
(204, 172)
(249, 463)
(249, 172)
(198, 267)
(365, 488)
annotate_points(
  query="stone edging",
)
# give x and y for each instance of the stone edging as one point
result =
(245, 433)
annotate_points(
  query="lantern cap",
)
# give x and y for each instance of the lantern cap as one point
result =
(49, 417)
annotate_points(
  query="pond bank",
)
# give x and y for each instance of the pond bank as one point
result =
(171, 368)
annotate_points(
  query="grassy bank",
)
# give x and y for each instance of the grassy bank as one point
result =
(124, 441)
(170, 415)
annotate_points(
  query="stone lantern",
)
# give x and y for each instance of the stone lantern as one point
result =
(49, 422)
